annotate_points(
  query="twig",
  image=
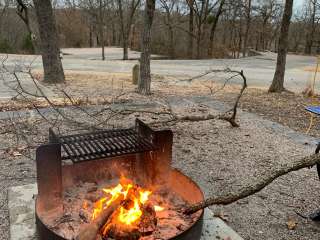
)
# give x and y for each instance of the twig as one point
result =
(232, 118)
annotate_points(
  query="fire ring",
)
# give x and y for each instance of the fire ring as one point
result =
(139, 152)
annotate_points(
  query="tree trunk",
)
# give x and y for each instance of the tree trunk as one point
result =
(309, 44)
(102, 42)
(53, 70)
(126, 27)
(311, 30)
(123, 31)
(133, 41)
(145, 76)
(171, 37)
(125, 48)
(115, 40)
(278, 79)
(101, 33)
(199, 35)
(190, 37)
(90, 37)
(263, 34)
(214, 27)
(240, 38)
(23, 13)
(246, 34)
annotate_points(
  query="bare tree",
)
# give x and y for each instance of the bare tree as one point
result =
(3, 7)
(168, 6)
(145, 75)
(126, 20)
(202, 9)
(278, 79)
(23, 11)
(266, 13)
(96, 9)
(191, 23)
(53, 71)
(311, 25)
(236, 20)
(275, 22)
(247, 7)
(214, 26)
(101, 26)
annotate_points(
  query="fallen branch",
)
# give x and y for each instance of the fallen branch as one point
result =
(258, 186)
(200, 118)
(230, 115)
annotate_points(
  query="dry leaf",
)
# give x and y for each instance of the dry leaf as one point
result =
(292, 224)
(222, 216)
(16, 154)
(22, 148)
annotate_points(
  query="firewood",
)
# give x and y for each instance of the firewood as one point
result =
(144, 227)
(91, 230)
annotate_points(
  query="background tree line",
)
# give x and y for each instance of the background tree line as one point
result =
(180, 29)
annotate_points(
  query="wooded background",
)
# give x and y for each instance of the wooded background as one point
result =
(180, 29)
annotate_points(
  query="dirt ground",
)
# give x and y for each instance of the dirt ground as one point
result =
(286, 108)
(219, 158)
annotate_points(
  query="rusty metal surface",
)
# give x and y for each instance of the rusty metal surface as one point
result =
(43, 231)
(49, 176)
(155, 165)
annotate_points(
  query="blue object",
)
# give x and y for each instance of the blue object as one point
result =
(313, 109)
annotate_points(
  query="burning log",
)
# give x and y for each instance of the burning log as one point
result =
(145, 226)
(130, 219)
(91, 230)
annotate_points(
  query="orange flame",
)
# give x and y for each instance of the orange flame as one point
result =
(85, 205)
(126, 215)
(130, 216)
(158, 208)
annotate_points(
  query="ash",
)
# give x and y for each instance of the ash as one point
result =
(79, 203)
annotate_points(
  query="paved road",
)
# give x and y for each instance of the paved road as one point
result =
(258, 69)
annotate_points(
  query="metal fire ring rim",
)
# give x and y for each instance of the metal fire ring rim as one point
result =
(199, 221)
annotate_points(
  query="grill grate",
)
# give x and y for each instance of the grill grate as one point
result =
(101, 144)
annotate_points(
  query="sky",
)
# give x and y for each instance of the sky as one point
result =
(298, 3)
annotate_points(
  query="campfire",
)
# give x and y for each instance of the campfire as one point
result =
(136, 215)
(114, 184)
(136, 212)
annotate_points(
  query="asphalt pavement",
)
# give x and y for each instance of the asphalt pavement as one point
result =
(258, 69)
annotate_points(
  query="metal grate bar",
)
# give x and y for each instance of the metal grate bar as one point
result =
(124, 146)
(112, 144)
(101, 144)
